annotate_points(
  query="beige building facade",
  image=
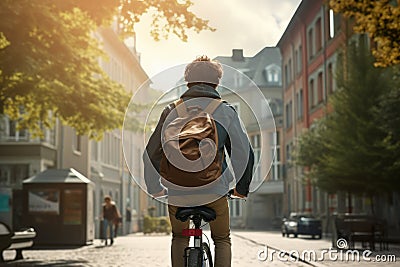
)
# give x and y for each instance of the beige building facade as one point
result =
(22, 156)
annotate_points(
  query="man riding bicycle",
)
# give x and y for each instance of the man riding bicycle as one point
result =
(202, 76)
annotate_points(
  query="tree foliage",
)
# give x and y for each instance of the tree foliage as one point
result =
(168, 16)
(49, 59)
(381, 20)
(387, 116)
(348, 150)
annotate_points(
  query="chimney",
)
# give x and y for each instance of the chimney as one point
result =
(237, 55)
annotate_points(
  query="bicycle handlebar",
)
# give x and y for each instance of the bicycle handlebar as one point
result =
(229, 195)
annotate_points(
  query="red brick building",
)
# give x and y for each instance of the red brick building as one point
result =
(309, 48)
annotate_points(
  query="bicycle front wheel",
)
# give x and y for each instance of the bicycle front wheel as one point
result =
(207, 258)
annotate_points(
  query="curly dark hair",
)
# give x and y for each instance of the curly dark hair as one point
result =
(203, 70)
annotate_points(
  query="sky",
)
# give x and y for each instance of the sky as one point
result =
(250, 25)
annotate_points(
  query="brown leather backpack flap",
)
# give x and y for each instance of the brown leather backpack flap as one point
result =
(198, 128)
(195, 136)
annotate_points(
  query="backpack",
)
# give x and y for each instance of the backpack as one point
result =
(193, 134)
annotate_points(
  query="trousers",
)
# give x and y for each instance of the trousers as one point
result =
(108, 224)
(220, 234)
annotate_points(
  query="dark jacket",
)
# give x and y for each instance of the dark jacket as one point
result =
(111, 213)
(153, 152)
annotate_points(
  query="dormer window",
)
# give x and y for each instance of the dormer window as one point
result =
(273, 74)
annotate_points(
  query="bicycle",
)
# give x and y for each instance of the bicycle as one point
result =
(200, 254)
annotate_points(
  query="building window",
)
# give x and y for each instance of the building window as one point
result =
(256, 144)
(77, 142)
(289, 152)
(311, 92)
(272, 74)
(334, 23)
(286, 76)
(49, 136)
(289, 110)
(272, 105)
(290, 71)
(274, 138)
(13, 174)
(318, 35)
(270, 78)
(310, 44)
(320, 88)
(276, 76)
(4, 175)
(331, 23)
(287, 116)
(275, 155)
(110, 149)
(13, 133)
(300, 104)
(300, 60)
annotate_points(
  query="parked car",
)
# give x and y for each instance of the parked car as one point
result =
(301, 224)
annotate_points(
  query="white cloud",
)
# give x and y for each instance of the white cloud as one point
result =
(250, 25)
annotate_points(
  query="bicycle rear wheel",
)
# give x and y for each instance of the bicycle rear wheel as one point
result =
(207, 258)
(194, 257)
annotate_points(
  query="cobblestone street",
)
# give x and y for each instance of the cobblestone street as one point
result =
(133, 250)
(153, 250)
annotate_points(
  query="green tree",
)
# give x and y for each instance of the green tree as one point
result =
(311, 152)
(347, 151)
(387, 116)
(381, 20)
(49, 59)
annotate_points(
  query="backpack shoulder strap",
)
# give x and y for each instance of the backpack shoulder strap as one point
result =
(180, 108)
(214, 104)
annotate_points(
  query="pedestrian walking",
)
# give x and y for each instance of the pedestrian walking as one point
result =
(110, 214)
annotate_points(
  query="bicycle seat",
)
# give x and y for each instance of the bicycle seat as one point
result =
(206, 214)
